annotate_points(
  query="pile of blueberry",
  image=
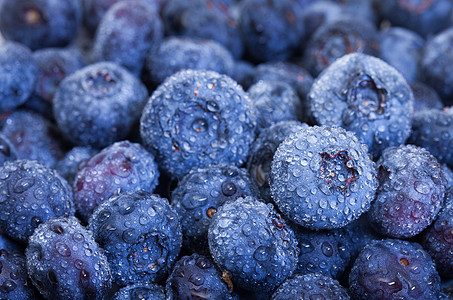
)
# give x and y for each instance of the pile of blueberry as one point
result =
(226, 149)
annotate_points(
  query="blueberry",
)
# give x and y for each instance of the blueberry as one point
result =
(437, 239)
(98, 104)
(200, 193)
(40, 23)
(425, 97)
(31, 194)
(33, 137)
(18, 74)
(140, 291)
(424, 17)
(141, 234)
(337, 38)
(271, 30)
(410, 193)
(436, 59)
(195, 118)
(196, 277)
(448, 175)
(14, 281)
(365, 95)
(118, 168)
(64, 261)
(322, 177)
(204, 19)
(318, 13)
(9, 244)
(68, 166)
(178, 53)
(402, 49)
(251, 241)
(262, 152)
(54, 64)
(126, 33)
(310, 286)
(324, 251)
(394, 269)
(7, 150)
(431, 129)
(274, 101)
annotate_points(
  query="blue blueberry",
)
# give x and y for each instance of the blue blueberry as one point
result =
(448, 175)
(322, 177)
(424, 17)
(204, 19)
(195, 118)
(33, 137)
(435, 64)
(40, 23)
(425, 97)
(243, 71)
(196, 277)
(98, 104)
(271, 30)
(140, 291)
(65, 262)
(410, 193)
(141, 234)
(431, 129)
(402, 49)
(324, 251)
(7, 150)
(262, 152)
(18, 74)
(337, 38)
(200, 193)
(31, 194)
(9, 244)
(437, 239)
(310, 286)
(14, 281)
(365, 95)
(126, 33)
(251, 241)
(178, 53)
(118, 168)
(274, 101)
(68, 166)
(394, 269)
(318, 13)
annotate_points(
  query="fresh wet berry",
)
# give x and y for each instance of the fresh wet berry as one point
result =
(322, 177)
(431, 129)
(119, 168)
(141, 234)
(367, 96)
(69, 165)
(394, 269)
(33, 137)
(195, 118)
(40, 23)
(252, 242)
(98, 104)
(272, 29)
(319, 13)
(410, 194)
(200, 193)
(425, 97)
(437, 239)
(178, 53)
(18, 74)
(126, 33)
(14, 281)
(274, 101)
(448, 175)
(31, 194)
(310, 286)
(262, 152)
(64, 261)
(197, 277)
(337, 38)
(140, 291)
(204, 19)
